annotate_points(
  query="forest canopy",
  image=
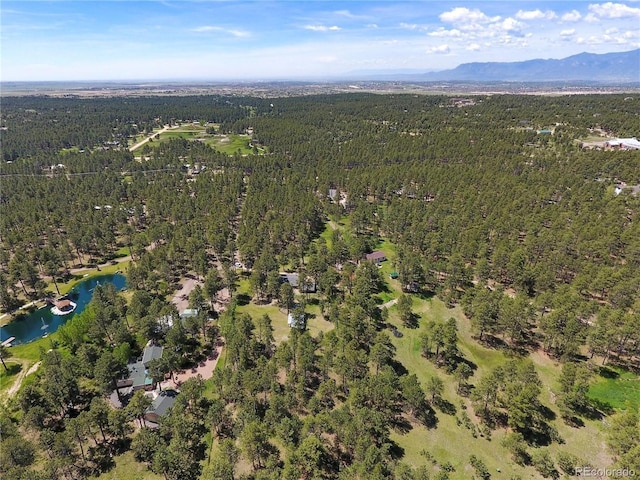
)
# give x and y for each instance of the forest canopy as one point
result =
(491, 206)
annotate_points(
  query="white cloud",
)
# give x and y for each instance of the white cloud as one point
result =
(535, 15)
(474, 47)
(372, 25)
(627, 39)
(413, 26)
(441, 32)
(462, 15)
(322, 28)
(510, 25)
(439, 49)
(567, 33)
(213, 28)
(591, 18)
(572, 16)
(347, 14)
(614, 10)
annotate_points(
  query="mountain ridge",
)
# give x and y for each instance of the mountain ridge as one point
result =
(615, 68)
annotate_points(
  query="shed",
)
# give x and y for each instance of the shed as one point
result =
(377, 257)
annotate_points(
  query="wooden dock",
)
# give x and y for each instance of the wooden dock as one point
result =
(7, 342)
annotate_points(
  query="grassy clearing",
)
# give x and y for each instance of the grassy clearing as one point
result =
(450, 442)
(8, 377)
(617, 387)
(229, 144)
(127, 468)
(31, 351)
(315, 324)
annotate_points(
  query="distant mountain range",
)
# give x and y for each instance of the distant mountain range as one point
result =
(608, 68)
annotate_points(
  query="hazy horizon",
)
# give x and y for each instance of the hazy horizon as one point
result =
(219, 41)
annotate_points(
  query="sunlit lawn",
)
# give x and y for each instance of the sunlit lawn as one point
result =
(617, 387)
(315, 323)
(127, 468)
(229, 144)
(7, 377)
(450, 442)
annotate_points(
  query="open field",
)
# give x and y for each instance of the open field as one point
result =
(229, 144)
(617, 387)
(315, 322)
(127, 468)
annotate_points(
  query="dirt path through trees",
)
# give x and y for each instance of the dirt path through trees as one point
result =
(18, 380)
(145, 140)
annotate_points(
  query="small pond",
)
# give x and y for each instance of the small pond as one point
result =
(42, 322)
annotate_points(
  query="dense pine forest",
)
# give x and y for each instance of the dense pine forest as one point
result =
(494, 333)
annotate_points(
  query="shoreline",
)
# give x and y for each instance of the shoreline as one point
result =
(79, 275)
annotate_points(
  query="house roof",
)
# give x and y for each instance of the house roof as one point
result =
(189, 312)
(151, 352)
(138, 375)
(624, 142)
(292, 279)
(377, 255)
(163, 402)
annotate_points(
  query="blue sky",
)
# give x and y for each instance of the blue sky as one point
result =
(226, 39)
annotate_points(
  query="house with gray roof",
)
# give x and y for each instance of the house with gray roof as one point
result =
(293, 279)
(151, 352)
(161, 405)
(138, 376)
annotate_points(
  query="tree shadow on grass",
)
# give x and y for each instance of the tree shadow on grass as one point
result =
(243, 299)
(398, 367)
(573, 421)
(401, 424)
(491, 341)
(396, 450)
(413, 322)
(428, 416)
(547, 413)
(607, 372)
(445, 406)
(598, 409)
(12, 369)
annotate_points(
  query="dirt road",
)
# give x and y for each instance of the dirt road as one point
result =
(181, 298)
(142, 142)
(18, 381)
